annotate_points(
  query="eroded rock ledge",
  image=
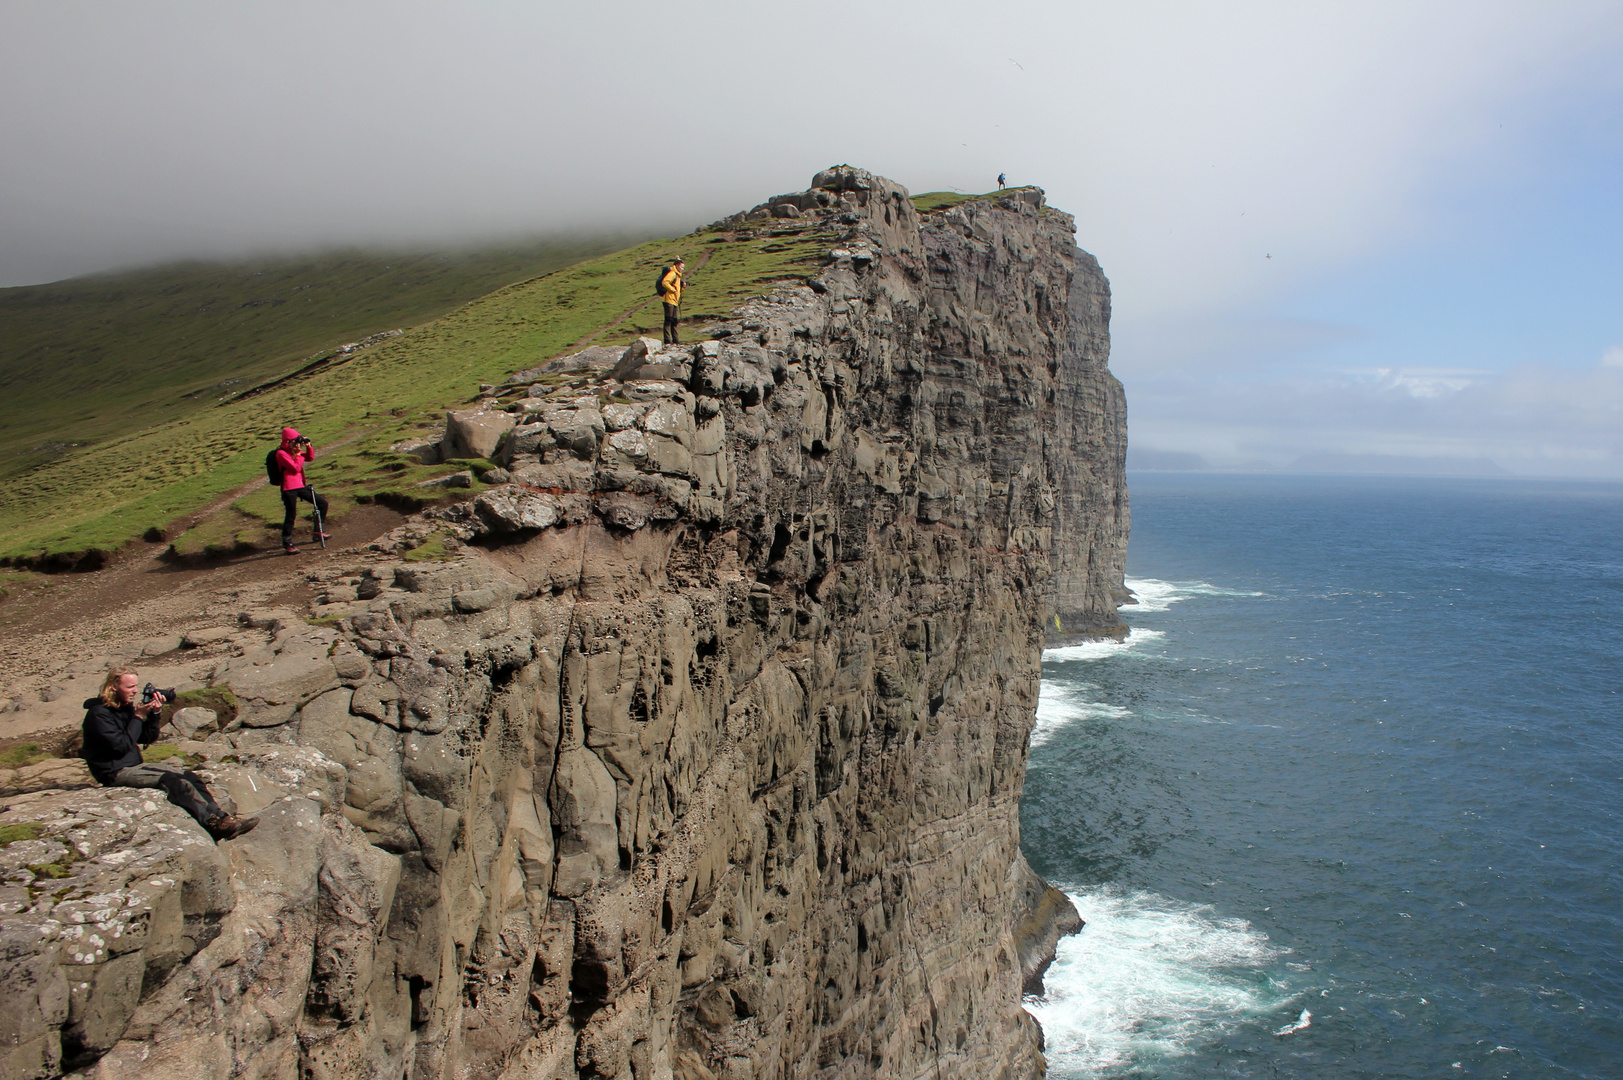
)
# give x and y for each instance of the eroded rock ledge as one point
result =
(699, 756)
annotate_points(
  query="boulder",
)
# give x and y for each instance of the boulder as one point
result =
(580, 431)
(509, 509)
(527, 441)
(194, 720)
(157, 646)
(426, 451)
(115, 890)
(60, 774)
(461, 479)
(634, 357)
(618, 417)
(844, 178)
(473, 433)
(271, 691)
(212, 635)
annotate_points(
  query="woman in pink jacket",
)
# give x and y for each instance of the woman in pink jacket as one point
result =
(294, 452)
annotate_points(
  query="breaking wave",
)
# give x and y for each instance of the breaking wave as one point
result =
(1104, 649)
(1147, 978)
(1156, 595)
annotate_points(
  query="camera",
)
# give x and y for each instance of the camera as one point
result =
(151, 694)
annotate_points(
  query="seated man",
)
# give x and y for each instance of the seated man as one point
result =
(117, 725)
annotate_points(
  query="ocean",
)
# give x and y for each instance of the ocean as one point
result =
(1348, 801)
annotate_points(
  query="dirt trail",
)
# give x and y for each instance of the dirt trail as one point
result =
(63, 622)
(197, 517)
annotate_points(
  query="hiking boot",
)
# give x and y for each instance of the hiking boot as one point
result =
(290, 549)
(229, 826)
(322, 536)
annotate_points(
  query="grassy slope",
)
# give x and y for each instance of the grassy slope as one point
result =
(84, 361)
(109, 493)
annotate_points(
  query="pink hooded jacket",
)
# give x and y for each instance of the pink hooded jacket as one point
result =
(292, 461)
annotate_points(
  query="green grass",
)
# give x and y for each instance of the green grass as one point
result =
(22, 830)
(933, 201)
(432, 550)
(103, 496)
(218, 698)
(90, 359)
(15, 757)
(168, 751)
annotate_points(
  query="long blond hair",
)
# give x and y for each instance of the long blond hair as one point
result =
(109, 688)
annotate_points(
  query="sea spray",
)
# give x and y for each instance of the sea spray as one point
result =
(1149, 977)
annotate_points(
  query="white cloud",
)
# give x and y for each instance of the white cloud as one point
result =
(1422, 382)
(1530, 419)
(1218, 158)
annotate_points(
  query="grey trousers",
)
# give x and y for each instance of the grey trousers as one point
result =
(185, 789)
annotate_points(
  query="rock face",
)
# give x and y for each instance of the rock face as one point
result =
(701, 756)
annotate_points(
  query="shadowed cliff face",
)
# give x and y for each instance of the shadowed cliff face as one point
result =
(704, 760)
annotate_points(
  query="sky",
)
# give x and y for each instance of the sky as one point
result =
(1372, 235)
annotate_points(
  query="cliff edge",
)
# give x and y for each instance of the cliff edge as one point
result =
(697, 753)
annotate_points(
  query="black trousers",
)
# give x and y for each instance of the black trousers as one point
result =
(290, 503)
(185, 789)
(670, 325)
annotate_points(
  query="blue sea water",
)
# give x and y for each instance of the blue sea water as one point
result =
(1348, 802)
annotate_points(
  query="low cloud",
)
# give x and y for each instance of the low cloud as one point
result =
(1218, 158)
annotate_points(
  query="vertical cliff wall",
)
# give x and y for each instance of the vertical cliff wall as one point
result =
(704, 759)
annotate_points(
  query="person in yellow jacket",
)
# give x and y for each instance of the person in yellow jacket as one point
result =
(670, 293)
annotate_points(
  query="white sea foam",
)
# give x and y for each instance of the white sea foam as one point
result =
(1303, 1022)
(1061, 705)
(1104, 650)
(1156, 595)
(1149, 977)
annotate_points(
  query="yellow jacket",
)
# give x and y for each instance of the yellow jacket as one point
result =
(670, 286)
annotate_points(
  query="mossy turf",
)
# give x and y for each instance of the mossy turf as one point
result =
(171, 753)
(102, 496)
(15, 757)
(22, 830)
(220, 699)
(934, 201)
(431, 550)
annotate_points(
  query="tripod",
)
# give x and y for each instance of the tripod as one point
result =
(315, 510)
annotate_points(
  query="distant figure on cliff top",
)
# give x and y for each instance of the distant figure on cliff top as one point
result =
(118, 723)
(1001, 180)
(286, 465)
(670, 293)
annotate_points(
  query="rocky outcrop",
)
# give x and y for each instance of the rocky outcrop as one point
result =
(696, 749)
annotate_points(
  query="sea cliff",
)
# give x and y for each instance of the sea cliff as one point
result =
(701, 752)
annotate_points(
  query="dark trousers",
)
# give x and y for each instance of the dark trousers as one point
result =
(185, 789)
(290, 503)
(670, 325)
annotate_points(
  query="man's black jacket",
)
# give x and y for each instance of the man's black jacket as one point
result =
(114, 736)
